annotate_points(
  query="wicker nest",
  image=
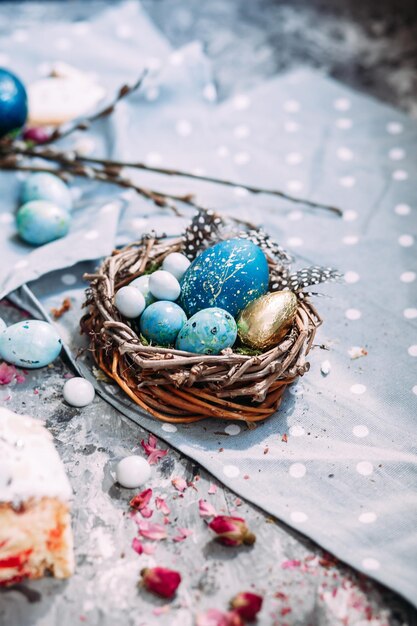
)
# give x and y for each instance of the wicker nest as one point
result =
(182, 387)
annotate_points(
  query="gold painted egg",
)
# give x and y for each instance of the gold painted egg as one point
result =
(265, 321)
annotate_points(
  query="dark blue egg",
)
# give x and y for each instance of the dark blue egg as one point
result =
(13, 103)
(228, 275)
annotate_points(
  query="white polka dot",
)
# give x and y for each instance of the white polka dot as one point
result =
(400, 175)
(297, 470)
(223, 152)
(63, 44)
(6, 218)
(153, 64)
(410, 314)
(347, 181)
(176, 58)
(298, 517)
(231, 471)
(367, 518)
(351, 277)
(232, 429)
(183, 128)
(408, 277)
(124, 31)
(412, 350)
(240, 192)
(358, 389)
(402, 209)
(91, 234)
(295, 185)
(153, 158)
(360, 430)
(344, 123)
(295, 216)
(344, 154)
(365, 468)
(241, 158)
(198, 171)
(350, 216)
(292, 106)
(353, 314)
(394, 128)
(68, 279)
(294, 158)
(20, 36)
(169, 428)
(342, 104)
(81, 28)
(414, 390)
(242, 131)
(396, 154)
(294, 242)
(152, 94)
(241, 102)
(210, 93)
(138, 223)
(297, 431)
(406, 241)
(4, 59)
(350, 240)
(371, 564)
(21, 264)
(291, 127)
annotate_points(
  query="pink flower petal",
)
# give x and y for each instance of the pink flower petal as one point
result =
(291, 564)
(149, 548)
(8, 373)
(152, 452)
(179, 484)
(162, 506)
(146, 512)
(137, 545)
(206, 509)
(183, 533)
(141, 500)
(151, 531)
(212, 489)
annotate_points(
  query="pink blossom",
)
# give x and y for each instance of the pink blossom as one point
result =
(152, 452)
(161, 580)
(179, 484)
(183, 533)
(151, 531)
(8, 373)
(137, 545)
(162, 506)
(206, 509)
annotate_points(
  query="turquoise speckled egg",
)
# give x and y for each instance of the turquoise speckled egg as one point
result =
(30, 344)
(40, 222)
(161, 322)
(228, 275)
(208, 332)
(142, 283)
(45, 186)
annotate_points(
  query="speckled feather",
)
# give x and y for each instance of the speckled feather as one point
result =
(308, 276)
(201, 233)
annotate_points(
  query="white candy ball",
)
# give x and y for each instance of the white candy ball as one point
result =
(133, 471)
(78, 392)
(130, 302)
(176, 264)
(3, 325)
(164, 286)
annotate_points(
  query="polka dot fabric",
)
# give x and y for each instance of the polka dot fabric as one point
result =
(341, 458)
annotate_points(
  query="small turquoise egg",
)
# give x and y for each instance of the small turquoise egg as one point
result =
(228, 275)
(142, 283)
(30, 344)
(40, 222)
(208, 332)
(45, 186)
(161, 322)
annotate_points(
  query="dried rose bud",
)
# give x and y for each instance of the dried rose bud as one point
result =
(160, 580)
(36, 134)
(247, 605)
(232, 531)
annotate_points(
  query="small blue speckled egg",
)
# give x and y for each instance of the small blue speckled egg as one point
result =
(45, 186)
(208, 332)
(228, 275)
(31, 344)
(161, 322)
(142, 283)
(40, 222)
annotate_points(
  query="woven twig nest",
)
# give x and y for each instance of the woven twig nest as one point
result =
(181, 387)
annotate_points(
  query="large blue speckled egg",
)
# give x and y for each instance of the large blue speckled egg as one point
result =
(45, 186)
(30, 344)
(40, 222)
(208, 332)
(13, 103)
(161, 322)
(228, 275)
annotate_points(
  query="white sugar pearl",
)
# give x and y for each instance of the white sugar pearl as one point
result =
(133, 471)
(78, 392)
(164, 286)
(130, 302)
(176, 264)
(3, 325)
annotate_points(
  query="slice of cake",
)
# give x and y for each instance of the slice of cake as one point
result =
(35, 524)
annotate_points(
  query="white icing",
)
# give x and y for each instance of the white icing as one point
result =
(30, 466)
